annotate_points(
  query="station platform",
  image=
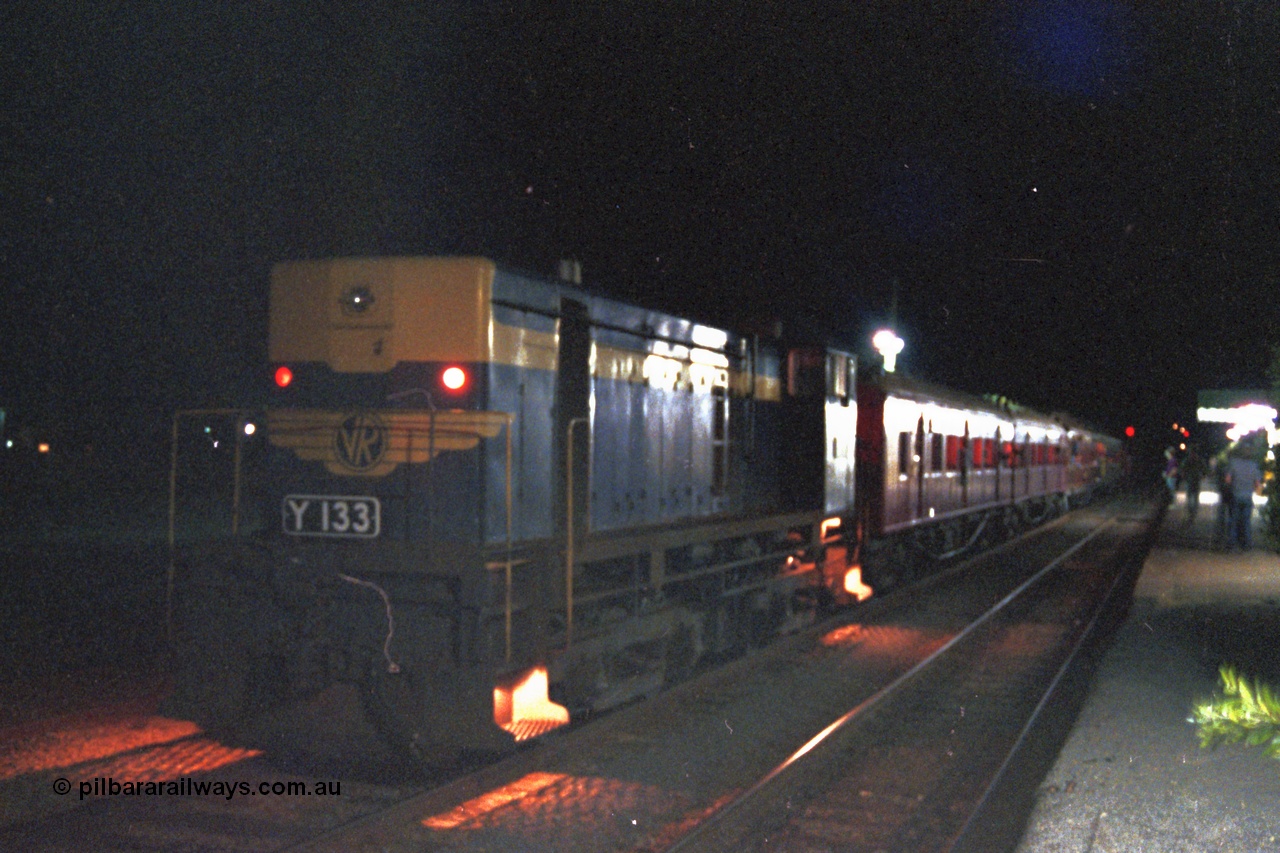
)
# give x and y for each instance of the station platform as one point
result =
(1131, 776)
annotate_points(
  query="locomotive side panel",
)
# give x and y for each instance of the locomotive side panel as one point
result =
(521, 380)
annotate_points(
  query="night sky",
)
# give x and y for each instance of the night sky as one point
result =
(1076, 203)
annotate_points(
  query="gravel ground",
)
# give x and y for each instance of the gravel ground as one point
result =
(1132, 776)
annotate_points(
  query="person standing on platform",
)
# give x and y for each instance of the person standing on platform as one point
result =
(1171, 471)
(1243, 476)
(1192, 473)
(1222, 524)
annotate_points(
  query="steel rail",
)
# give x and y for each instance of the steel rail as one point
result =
(968, 837)
(730, 809)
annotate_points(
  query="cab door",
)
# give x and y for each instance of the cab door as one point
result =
(841, 416)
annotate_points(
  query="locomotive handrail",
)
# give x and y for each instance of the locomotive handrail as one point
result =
(569, 531)
(511, 420)
(173, 498)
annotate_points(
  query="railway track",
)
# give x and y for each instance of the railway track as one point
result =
(928, 762)
(927, 701)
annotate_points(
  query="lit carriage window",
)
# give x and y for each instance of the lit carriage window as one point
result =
(954, 451)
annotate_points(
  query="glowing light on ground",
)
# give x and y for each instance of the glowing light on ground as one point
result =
(158, 749)
(482, 805)
(555, 811)
(525, 710)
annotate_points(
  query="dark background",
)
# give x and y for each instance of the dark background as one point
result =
(1075, 203)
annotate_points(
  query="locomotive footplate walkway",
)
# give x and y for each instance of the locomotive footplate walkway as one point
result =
(659, 773)
(1131, 777)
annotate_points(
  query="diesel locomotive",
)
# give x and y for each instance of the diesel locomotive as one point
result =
(494, 500)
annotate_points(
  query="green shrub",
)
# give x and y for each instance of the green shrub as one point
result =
(1246, 711)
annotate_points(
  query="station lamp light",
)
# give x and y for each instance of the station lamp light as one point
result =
(1243, 419)
(888, 345)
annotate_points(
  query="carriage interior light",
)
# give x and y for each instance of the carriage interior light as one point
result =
(283, 376)
(888, 345)
(454, 378)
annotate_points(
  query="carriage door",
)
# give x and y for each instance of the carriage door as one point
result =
(998, 455)
(841, 432)
(573, 395)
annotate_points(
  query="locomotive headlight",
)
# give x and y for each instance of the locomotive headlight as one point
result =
(356, 300)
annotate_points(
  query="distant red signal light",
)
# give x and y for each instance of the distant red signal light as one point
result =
(453, 378)
(283, 376)
(1129, 432)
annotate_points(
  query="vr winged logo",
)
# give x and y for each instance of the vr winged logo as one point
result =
(361, 441)
(368, 444)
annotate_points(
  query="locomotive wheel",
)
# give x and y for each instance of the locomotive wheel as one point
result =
(435, 721)
(684, 650)
(390, 700)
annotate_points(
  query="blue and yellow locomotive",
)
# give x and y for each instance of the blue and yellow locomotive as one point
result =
(495, 500)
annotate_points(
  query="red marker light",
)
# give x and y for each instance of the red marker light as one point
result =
(1128, 431)
(283, 376)
(453, 378)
